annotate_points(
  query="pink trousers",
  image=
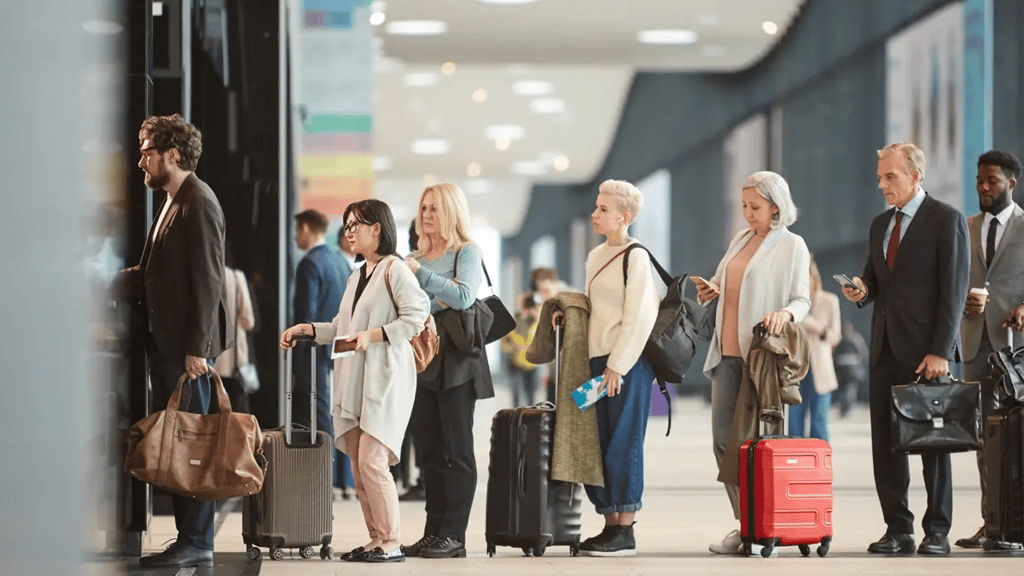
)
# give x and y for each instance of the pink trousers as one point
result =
(375, 487)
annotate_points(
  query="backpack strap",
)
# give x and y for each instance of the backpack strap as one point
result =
(665, 276)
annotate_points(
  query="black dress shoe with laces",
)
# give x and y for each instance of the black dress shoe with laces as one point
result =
(976, 541)
(178, 556)
(444, 548)
(413, 550)
(893, 544)
(934, 544)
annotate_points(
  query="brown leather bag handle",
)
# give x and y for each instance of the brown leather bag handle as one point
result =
(601, 269)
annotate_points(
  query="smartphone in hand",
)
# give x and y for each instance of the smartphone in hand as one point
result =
(846, 281)
(699, 280)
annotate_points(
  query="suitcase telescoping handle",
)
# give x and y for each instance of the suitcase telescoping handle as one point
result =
(558, 356)
(288, 387)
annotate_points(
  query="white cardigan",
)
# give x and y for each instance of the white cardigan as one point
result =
(777, 278)
(374, 390)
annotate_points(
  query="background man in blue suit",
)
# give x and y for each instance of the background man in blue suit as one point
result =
(916, 276)
(319, 284)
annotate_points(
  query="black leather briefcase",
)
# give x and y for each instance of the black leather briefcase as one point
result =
(932, 417)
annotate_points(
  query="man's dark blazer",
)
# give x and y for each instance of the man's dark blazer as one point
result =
(918, 305)
(180, 278)
(320, 281)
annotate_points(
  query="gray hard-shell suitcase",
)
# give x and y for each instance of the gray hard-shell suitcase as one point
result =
(294, 509)
(525, 507)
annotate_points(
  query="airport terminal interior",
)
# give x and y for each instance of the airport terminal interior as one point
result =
(527, 106)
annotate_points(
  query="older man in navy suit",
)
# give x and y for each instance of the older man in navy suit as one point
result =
(319, 284)
(916, 276)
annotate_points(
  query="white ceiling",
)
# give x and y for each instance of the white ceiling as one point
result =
(586, 49)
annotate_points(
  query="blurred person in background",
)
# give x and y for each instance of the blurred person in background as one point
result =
(763, 279)
(850, 359)
(521, 372)
(822, 328)
(238, 300)
(410, 445)
(383, 308)
(449, 268)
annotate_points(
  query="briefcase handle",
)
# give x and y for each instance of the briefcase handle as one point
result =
(946, 379)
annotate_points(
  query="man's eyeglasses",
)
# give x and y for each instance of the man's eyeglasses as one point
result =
(351, 226)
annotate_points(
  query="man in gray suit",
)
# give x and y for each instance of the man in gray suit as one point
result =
(916, 277)
(997, 265)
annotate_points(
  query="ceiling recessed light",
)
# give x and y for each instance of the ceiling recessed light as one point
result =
(769, 27)
(666, 36)
(479, 95)
(448, 68)
(561, 163)
(417, 27)
(377, 18)
(532, 87)
(547, 105)
(529, 168)
(380, 163)
(502, 144)
(430, 146)
(506, 131)
(474, 169)
(420, 79)
(707, 19)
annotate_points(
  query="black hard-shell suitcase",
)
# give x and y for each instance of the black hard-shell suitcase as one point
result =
(294, 509)
(1004, 476)
(525, 508)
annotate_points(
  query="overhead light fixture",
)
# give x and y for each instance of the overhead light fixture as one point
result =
(667, 36)
(561, 163)
(474, 169)
(380, 163)
(448, 68)
(102, 27)
(502, 144)
(506, 131)
(547, 105)
(713, 51)
(430, 147)
(529, 168)
(417, 27)
(769, 27)
(377, 18)
(420, 79)
(479, 95)
(532, 87)
(707, 19)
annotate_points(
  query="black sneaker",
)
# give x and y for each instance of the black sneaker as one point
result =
(413, 550)
(620, 542)
(589, 543)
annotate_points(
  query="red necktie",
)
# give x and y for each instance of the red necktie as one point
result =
(894, 241)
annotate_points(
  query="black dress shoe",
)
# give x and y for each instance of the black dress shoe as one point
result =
(934, 544)
(354, 555)
(178, 556)
(444, 548)
(379, 556)
(976, 541)
(417, 493)
(893, 544)
(413, 550)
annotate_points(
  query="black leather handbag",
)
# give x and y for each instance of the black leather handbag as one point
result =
(503, 322)
(943, 416)
(1007, 369)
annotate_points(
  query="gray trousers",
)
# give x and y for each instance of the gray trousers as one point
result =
(726, 379)
(977, 371)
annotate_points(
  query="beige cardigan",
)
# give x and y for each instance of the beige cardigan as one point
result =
(237, 291)
(824, 330)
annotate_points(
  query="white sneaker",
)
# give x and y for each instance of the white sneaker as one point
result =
(731, 544)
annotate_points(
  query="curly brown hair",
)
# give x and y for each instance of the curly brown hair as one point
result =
(172, 131)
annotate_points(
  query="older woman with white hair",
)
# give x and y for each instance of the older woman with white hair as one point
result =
(763, 278)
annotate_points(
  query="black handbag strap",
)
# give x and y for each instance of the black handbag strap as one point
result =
(455, 269)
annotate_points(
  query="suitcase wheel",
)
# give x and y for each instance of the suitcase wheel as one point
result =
(491, 549)
(574, 549)
(539, 549)
(823, 549)
(326, 553)
(276, 553)
(527, 550)
(307, 552)
(805, 549)
(747, 548)
(253, 553)
(769, 546)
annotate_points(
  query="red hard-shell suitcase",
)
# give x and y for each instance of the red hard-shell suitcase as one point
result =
(786, 494)
(294, 509)
(525, 507)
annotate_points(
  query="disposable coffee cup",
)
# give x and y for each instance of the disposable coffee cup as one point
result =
(982, 294)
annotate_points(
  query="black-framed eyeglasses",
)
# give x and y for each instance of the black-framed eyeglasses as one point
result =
(351, 226)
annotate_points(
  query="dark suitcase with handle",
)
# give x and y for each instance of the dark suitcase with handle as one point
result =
(295, 508)
(1004, 476)
(525, 508)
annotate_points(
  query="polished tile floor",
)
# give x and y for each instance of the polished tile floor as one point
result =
(684, 510)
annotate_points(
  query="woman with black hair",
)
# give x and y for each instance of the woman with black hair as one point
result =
(382, 309)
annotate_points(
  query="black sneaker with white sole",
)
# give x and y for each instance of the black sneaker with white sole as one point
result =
(619, 542)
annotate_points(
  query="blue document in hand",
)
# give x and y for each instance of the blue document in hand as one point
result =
(586, 395)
